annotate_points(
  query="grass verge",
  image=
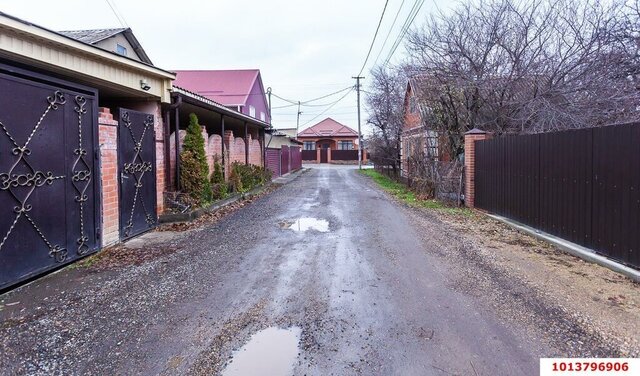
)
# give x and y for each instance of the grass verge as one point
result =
(404, 194)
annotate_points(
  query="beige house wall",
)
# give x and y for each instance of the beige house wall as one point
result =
(41, 48)
(110, 43)
(278, 141)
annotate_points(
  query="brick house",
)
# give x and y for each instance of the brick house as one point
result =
(330, 142)
(72, 115)
(88, 131)
(417, 139)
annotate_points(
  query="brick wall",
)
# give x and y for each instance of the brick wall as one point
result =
(237, 150)
(234, 150)
(108, 141)
(214, 150)
(255, 152)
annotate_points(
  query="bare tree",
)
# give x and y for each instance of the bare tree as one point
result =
(533, 66)
(384, 99)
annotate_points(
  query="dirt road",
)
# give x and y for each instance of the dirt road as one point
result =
(372, 289)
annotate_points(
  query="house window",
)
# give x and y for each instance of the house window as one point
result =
(252, 111)
(309, 145)
(121, 50)
(345, 145)
(263, 117)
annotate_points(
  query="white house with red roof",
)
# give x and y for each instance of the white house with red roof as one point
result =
(239, 89)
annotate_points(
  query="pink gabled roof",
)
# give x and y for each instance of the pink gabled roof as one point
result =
(227, 87)
(328, 128)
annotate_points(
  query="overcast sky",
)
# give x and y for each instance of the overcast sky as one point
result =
(304, 49)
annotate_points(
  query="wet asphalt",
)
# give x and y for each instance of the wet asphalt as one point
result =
(371, 296)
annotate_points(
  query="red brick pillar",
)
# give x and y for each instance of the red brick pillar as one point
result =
(329, 155)
(469, 163)
(318, 155)
(108, 141)
(228, 144)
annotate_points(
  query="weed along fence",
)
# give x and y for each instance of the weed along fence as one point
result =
(581, 185)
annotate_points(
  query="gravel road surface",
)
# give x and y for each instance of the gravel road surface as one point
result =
(373, 293)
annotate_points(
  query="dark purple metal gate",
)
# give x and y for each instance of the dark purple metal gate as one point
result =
(49, 192)
(284, 164)
(581, 185)
(136, 168)
(272, 161)
(295, 158)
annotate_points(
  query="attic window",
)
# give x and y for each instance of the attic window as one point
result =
(263, 116)
(252, 111)
(121, 50)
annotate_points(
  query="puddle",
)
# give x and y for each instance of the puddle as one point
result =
(271, 351)
(306, 223)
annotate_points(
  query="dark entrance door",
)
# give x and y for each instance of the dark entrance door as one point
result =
(49, 200)
(136, 169)
(324, 158)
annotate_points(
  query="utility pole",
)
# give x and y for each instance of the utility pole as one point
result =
(269, 94)
(298, 119)
(358, 78)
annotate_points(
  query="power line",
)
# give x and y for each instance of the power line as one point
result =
(405, 28)
(389, 33)
(285, 99)
(325, 96)
(120, 18)
(375, 35)
(306, 103)
(328, 108)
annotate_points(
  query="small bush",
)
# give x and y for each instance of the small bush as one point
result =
(219, 187)
(194, 169)
(246, 177)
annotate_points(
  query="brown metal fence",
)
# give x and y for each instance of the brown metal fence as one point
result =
(309, 155)
(581, 185)
(344, 155)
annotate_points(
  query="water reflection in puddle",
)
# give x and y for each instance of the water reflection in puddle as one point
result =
(304, 224)
(271, 351)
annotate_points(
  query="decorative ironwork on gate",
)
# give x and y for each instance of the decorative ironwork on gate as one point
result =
(135, 164)
(33, 179)
(48, 192)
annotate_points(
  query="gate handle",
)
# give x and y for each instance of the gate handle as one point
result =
(123, 176)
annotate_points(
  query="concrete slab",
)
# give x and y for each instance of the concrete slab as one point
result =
(152, 238)
(572, 248)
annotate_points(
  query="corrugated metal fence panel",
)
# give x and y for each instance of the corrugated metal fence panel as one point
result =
(295, 157)
(344, 155)
(616, 193)
(309, 155)
(581, 185)
(284, 158)
(272, 161)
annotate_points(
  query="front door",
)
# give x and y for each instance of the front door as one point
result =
(136, 169)
(324, 158)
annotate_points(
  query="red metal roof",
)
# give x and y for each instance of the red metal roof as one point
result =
(227, 87)
(328, 128)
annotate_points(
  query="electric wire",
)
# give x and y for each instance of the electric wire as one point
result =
(328, 108)
(405, 28)
(120, 18)
(375, 35)
(386, 39)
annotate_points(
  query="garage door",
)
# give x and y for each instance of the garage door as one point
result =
(49, 206)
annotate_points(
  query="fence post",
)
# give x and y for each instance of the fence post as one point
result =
(469, 163)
